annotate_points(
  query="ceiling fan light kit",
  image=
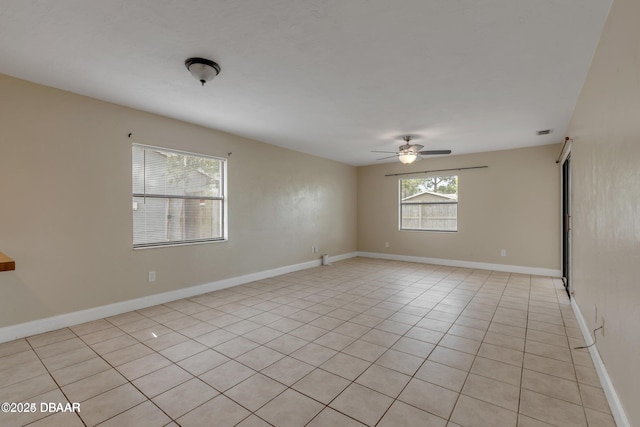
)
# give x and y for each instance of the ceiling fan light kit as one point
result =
(407, 157)
(202, 69)
(409, 153)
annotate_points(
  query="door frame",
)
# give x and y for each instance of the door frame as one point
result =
(565, 219)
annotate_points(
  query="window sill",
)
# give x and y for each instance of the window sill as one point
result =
(428, 230)
(172, 245)
(6, 263)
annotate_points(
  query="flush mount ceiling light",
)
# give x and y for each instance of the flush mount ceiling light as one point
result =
(202, 69)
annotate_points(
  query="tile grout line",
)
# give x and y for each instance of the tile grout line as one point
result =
(524, 352)
(444, 333)
(380, 291)
(54, 380)
(575, 373)
(351, 382)
(522, 388)
(197, 376)
(343, 305)
(340, 352)
(148, 399)
(476, 354)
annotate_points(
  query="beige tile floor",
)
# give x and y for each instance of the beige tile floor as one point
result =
(361, 342)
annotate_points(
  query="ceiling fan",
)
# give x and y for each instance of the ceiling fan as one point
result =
(408, 153)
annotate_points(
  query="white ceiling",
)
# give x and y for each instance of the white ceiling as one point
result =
(334, 78)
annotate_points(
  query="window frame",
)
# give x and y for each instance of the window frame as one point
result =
(433, 230)
(222, 198)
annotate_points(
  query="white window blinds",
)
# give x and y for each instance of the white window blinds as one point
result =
(178, 197)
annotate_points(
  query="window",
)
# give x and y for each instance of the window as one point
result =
(178, 197)
(429, 203)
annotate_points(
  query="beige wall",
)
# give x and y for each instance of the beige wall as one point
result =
(65, 205)
(606, 200)
(512, 205)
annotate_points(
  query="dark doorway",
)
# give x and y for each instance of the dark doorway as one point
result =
(566, 224)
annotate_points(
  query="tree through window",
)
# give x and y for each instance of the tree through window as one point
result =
(429, 203)
(178, 197)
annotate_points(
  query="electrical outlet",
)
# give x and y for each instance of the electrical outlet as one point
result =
(386, 244)
(503, 252)
(152, 276)
(314, 249)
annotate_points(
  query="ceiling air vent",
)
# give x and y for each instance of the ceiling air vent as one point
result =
(544, 132)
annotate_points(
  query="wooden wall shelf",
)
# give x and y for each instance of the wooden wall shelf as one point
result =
(6, 263)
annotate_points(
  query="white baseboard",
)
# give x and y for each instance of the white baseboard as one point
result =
(342, 257)
(467, 264)
(612, 397)
(39, 326)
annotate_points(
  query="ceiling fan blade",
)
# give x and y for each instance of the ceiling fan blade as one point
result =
(388, 157)
(434, 152)
(390, 152)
